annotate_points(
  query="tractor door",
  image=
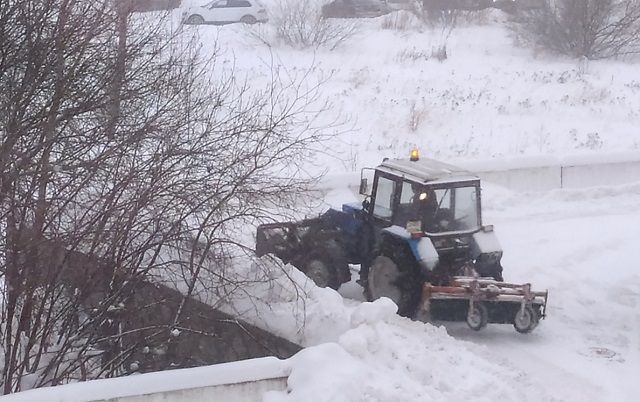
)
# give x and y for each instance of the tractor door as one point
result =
(384, 199)
(378, 215)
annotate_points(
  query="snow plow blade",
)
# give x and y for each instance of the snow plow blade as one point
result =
(480, 301)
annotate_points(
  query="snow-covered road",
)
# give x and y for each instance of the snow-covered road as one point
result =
(582, 245)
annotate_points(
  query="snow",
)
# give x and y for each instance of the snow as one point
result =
(488, 99)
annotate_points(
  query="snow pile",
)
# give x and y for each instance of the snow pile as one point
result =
(384, 357)
(365, 352)
(290, 305)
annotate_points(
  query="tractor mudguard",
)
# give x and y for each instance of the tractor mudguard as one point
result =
(487, 253)
(346, 221)
(485, 242)
(422, 248)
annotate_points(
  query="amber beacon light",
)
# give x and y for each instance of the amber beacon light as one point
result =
(415, 155)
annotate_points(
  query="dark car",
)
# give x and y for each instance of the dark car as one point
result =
(355, 9)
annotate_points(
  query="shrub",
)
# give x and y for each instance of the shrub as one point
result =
(594, 29)
(300, 24)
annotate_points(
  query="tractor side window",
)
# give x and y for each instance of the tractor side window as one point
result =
(384, 198)
(444, 198)
(466, 208)
(406, 197)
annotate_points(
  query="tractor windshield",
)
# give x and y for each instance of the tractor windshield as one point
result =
(439, 210)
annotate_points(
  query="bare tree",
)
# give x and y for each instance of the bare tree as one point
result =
(594, 29)
(125, 154)
(300, 24)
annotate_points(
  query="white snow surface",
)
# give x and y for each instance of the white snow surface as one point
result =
(489, 99)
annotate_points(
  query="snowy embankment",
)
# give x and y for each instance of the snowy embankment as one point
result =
(489, 99)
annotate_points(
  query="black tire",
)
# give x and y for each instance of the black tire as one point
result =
(478, 317)
(339, 260)
(526, 320)
(248, 19)
(393, 274)
(195, 19)
(326, 267)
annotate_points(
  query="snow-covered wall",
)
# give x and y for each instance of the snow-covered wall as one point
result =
(240, 381)
(241, 392)
(542, 173)
(548, 173)
(600, 174)
(542, 178)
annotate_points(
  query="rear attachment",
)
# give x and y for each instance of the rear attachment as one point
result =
(480, 301)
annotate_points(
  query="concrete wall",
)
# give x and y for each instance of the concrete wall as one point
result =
(549, 173)
(600, 174)
(537, 173)
(526, 179)
(242, 392)
(241, 381)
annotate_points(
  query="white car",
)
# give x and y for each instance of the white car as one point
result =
(225, 12)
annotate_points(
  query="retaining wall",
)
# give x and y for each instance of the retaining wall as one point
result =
(549, 173)
(242, 381)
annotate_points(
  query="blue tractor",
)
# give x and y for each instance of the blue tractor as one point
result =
(419, 239)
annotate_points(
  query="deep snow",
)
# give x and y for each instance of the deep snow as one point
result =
(490, 98)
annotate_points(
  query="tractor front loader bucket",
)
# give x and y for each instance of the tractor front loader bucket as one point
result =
(480, 301)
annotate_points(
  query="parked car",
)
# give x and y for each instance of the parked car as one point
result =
(225, 12)
(355, 9)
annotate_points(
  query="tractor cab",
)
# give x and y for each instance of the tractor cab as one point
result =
(426, 197)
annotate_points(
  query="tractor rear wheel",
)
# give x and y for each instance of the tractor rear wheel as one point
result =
(320, 271)
(392, 274)
(326, 267)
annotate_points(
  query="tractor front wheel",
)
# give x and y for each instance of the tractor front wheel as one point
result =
(393, 276)
(326, 266)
